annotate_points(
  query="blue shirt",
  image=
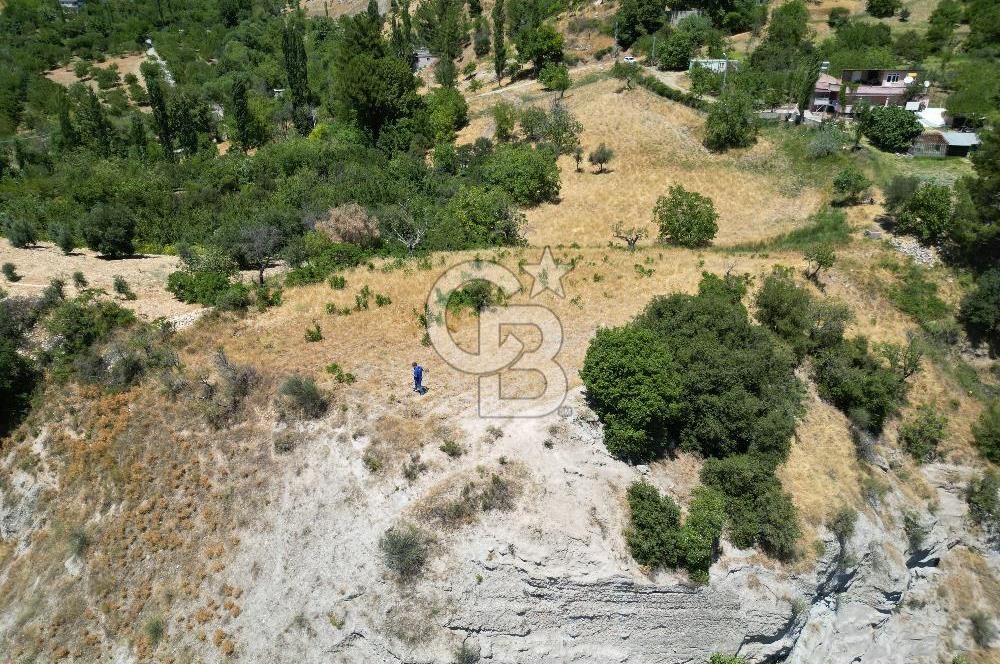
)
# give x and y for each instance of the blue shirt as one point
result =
(418, 372)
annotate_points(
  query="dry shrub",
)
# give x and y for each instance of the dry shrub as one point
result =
(349, 223)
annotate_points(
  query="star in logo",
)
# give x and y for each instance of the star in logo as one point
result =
(547, 274)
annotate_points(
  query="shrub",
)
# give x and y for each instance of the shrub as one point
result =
(890, 128)
(79, 280)
(921, 435)
(882, 8)
(838, 16)
(349, 223)
(452, 449)
(980, 310)
(313, 334)
(915, 531)
(504, 118)
(198, 287)
(110, 230)
(600, 156)
(652, 532)
(122, 288)
(466, 654)
(632, 384)
(986, 432)
(338, 282)
(927, 213)
(20, 233)
(448, 112)
(555, 77)
(842, 524)
(686, 218)
(820, 257)
(405, 550)
(731, 123)
(758, 510)
(475, 295)
(825, 143)
(10, 273)
(154, 630)
(786, 309)
(528, 175)
(302, 395)
(83, 321)
(860, 383)
(719, 658)
(983, 497)
(983, 631)
(18, 377)
(850, 184)
(899, 190)
(698, 539)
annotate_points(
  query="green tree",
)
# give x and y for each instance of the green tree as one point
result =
(686, 218)
(184, 122)
(562, 130)
(786, 309)
(928, 212)
(653, 524)
(986, 432)
(241, 117)
(161, 118)
(528, 175)
(882, 8)
(504, 119)
(983, 497)
(555, 77)
(731, 123)
(17, 381)
(850, 184)
(921, 435)
(499, 47)
(137, 133)
(540, 45)
(632, 384)
(448, 112)
(820, 257)
(676, 52)
(376, 92)
(93, 124)
(110, 230)
(600, 156)
(890, 128)
(980, 309)
(296, 72)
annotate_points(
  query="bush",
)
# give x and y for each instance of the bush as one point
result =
(983, 497)
(825, 143)
(405, 550)
(842, 524)
(63, 236)
(786, 309)
(983, 631)
(899, 190)
(350, 223)
(17, 381)
(313, 334)
(986, 432)
(719, 658)
(927, 213)
(921, 435)
(301, 394)
(122, 288)
(600, 156)
(20, 233)
(859, 383)
(980, 310)
(448, 112)
(686, 218)
(633, 386)
(731, 123)
(83, 321)
(110, 230)
(758, 510)
(555, 77)
(890, 128)
(652, 532)
(528, 175)
(698, 539)
(198, 287)
(850, 184)
(838, 16)
(79, 280)
(882, 8)
(10, 273)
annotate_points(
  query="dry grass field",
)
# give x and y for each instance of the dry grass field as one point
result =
(182, 491)
(127, 64)
(657, 144)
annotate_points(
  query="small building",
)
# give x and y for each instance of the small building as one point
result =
(960, 143)
(718, 65)
(929, 144)
(933, 143)
(677, 15)
(423, 58)
(826, 95)
(71, 5)
(879, 87)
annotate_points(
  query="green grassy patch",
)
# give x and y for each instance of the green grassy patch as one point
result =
(828, 227)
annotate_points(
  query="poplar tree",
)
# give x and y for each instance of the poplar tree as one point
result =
(499, 48)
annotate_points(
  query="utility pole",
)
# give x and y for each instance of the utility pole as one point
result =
(725, 71)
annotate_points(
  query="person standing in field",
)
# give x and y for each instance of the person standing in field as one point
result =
(418, 377)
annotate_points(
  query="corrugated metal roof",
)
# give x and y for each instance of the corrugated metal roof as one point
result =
(965, 139)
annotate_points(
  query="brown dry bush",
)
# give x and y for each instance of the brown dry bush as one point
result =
(349, 223)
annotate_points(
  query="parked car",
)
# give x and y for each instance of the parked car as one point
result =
(629, 59)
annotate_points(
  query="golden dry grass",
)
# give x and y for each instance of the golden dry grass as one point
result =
(657, 144)
(127, 64)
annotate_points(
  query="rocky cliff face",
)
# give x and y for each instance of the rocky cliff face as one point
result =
(551, 581)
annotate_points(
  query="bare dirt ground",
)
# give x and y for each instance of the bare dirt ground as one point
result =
(147, 275)
(127, 64)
